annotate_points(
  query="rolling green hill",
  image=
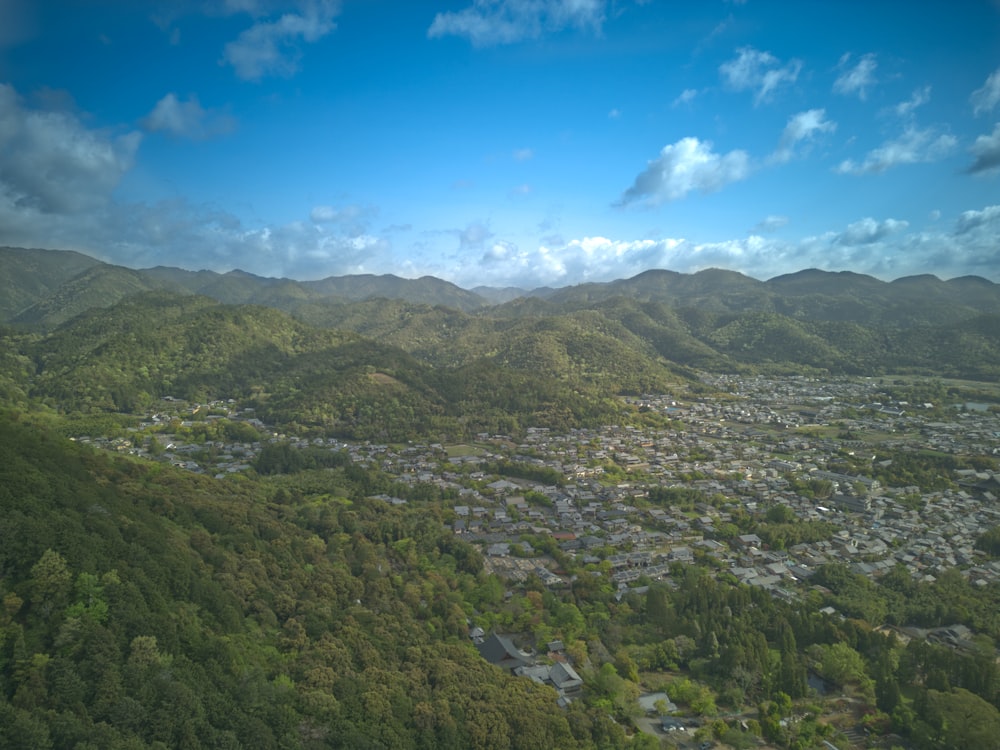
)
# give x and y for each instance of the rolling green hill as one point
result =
(161, 344)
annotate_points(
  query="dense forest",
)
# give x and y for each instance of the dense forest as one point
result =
(148, 607)
(626, 335)
(312, 601)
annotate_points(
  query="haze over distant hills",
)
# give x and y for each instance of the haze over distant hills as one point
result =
(46, 287)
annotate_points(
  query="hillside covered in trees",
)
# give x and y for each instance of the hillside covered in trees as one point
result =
(145, 607)
(720, 320)
(312, 601)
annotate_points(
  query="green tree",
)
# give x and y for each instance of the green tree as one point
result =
(959, 720)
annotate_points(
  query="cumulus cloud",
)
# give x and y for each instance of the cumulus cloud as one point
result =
(970, 221)
(57, 183)
(186, 119)
(685, 166)
(200, 237)
(562, 262)
(50, 163)
(330, 214)
(801, 128)
(914, 146)
(760, 72)
(986, 149)
(985, 99)
(490, 22)
(855, 80)
(869, 231)
(273, 47)
(501, 252)
(885, 248)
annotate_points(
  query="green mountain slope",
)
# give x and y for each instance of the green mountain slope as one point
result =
(95, 288)
(144, 607)
(28, 276)
(611, 338)
(160, 344)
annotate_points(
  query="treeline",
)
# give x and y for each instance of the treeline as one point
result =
(285, 458)
(522, 470)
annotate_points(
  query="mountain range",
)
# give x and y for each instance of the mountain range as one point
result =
(46, 287)
(386, 357)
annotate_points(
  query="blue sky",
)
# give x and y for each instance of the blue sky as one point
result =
(504, 142)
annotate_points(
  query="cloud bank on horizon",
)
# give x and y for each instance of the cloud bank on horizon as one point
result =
(503, 142)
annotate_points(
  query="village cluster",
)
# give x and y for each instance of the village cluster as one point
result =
(741, 452)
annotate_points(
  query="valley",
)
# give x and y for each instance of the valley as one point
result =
(383, 523)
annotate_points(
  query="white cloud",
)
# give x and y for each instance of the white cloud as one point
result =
(474, 236)
(920, 97)
(970, 221)
(502, 252)
(685, 166)
(489, 22)
(869, 231)
(178, 233)
(685, 97)
(272, 47)
(986, 98)
(350, 221)
(883, 248)
(523, 154)
(760, 72)
(771, 224)
(568, 262)
(57, 183)
(856, 79)
(914, 146)
(801, 128)
(50, 163)
(186, 119)
(328, 214)
(986, 149)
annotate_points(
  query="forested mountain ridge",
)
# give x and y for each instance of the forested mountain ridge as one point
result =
(160, 344)
(713, 319)
(44, 284)
(52, 285)
(414, 370)
(31, 276)
(410, 367)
